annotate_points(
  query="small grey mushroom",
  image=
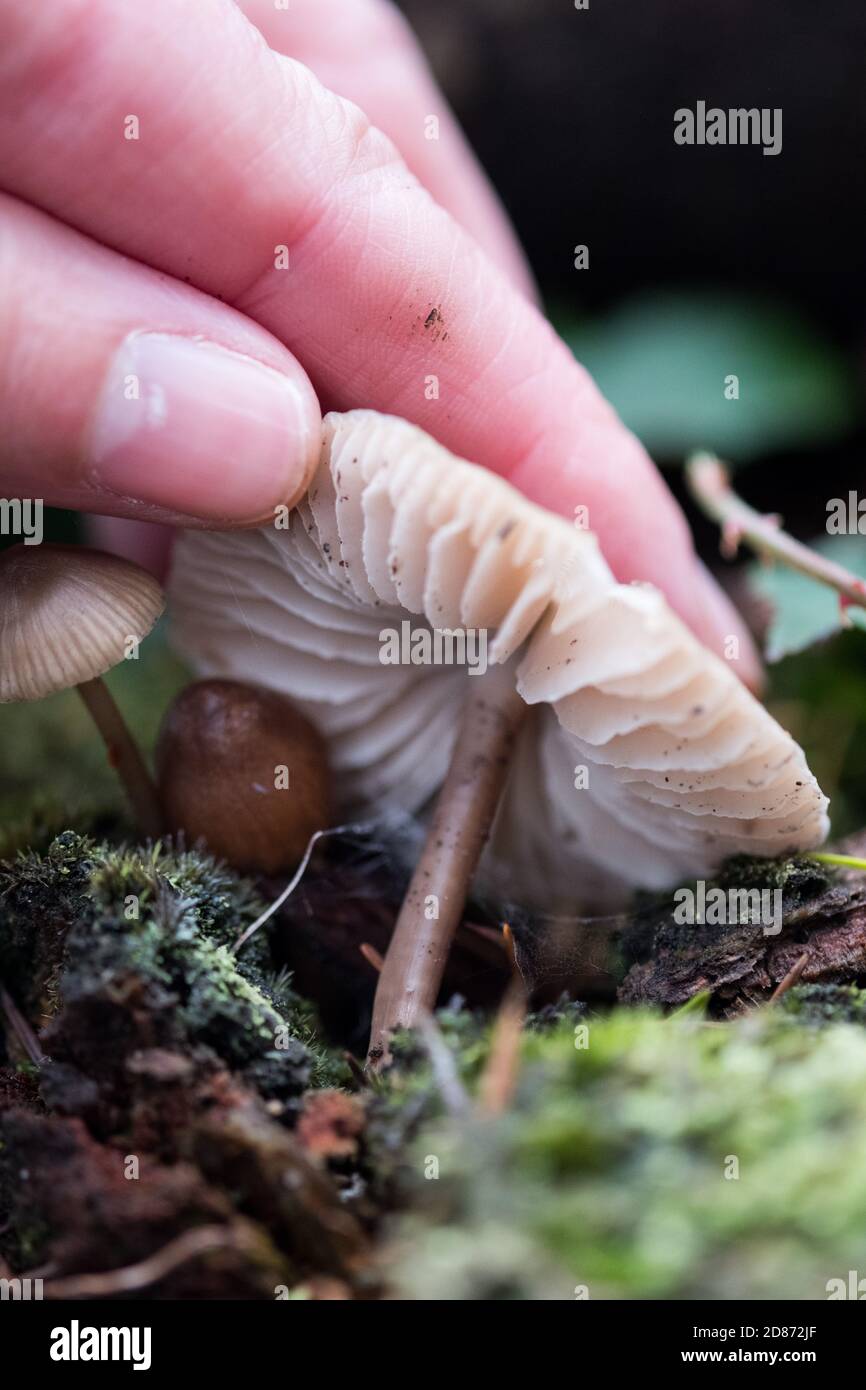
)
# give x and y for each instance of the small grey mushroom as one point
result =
(68, 615)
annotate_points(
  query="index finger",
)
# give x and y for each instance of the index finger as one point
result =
(365, 50)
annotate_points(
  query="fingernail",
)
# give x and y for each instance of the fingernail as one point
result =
(196, 428)
(726, 631)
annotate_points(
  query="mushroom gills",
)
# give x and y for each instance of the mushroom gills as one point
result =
(684, 766)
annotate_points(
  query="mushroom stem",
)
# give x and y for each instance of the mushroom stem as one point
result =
(417, 953)
(124, 756)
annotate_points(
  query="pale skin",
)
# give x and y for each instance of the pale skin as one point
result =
(173, 174)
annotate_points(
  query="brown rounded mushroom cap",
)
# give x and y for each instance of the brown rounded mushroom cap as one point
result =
(219, 750)
(67, 615)
(645, 760)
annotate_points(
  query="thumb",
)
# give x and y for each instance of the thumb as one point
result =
(174, 407)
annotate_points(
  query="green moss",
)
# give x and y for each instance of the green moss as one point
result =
(800, 877)
(169, 918)
(818, 1005)
(41, 896)
(614, 1168)
(679, 954)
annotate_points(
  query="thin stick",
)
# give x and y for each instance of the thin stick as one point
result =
(19, 1025)
(485, 943)
(791, 978)
(709, 484)
(487, 934)
(371, 956)
(293, 881)
(199, 1241)
(510, 949)
(499, 1077)
(418, 950)
(124, 756)
(444, 1066)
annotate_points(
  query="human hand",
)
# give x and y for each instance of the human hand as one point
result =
(201, 243)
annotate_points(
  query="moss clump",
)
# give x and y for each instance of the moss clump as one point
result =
(463, 1030)
(800, 877)
(556, 1015)
(724, 945)
(665, 1159)
(41, 896)
(819, 1005)
(221, 904)
(410, 1092)
(168, 918)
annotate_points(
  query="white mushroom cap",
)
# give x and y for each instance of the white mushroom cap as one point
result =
(684, 766)
(67, 615)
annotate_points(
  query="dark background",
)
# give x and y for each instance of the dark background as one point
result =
(571, 112)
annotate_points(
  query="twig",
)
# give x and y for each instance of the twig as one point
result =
(709, 483)
(444, 1067)
(19, 1025)
(499, 1077)
(372, 956)
(418, 950)
(485, 943)
(488, 934)
(510, 949)
(295, 880)
(791, 978)
(192, 1243)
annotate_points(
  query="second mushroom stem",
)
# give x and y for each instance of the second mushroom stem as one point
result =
(418, 951)
(124, 755)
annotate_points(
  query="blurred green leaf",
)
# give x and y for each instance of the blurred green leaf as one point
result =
(820, 697)
(661, 359)
(804, 611)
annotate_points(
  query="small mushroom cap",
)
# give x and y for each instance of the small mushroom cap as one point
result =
(644, 760)
(67, 615)
(242, 769)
